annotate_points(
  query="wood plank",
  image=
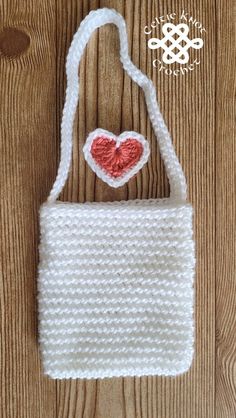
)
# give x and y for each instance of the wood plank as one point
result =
(102, 77)
(27, 135)
(225, 215)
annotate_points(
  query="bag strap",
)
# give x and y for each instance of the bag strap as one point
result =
(94, 20)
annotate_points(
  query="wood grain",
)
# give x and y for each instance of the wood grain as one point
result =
(28, 139)
(199, 111)
(225, 216)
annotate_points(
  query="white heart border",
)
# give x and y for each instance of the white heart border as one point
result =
(101, 173)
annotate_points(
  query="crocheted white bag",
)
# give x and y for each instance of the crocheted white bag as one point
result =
(115, 279)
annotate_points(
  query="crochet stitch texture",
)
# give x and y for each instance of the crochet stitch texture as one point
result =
(108, 158)
(115, 279)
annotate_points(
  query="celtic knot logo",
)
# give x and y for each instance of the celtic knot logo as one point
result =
(169, 43)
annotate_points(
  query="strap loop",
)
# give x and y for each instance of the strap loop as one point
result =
(94, 20)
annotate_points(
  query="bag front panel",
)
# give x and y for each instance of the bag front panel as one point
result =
(116, 289)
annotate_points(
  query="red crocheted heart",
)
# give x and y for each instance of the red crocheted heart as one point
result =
(114, 157)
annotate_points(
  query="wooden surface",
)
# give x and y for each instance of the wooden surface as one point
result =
(199, 110)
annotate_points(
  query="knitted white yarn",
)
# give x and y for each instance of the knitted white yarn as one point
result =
(94, 20)
(115, 279)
